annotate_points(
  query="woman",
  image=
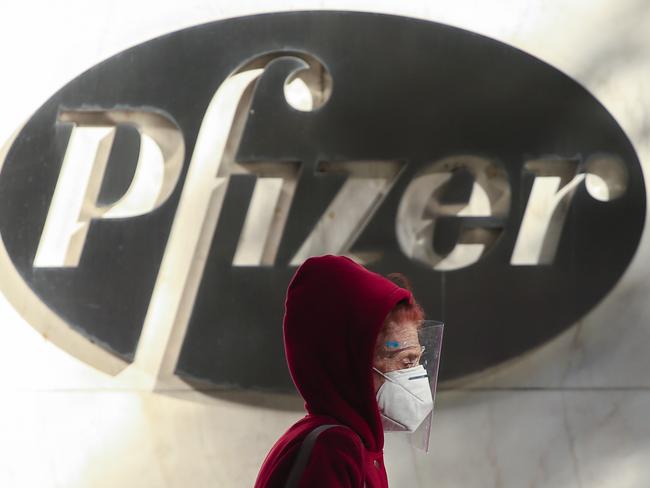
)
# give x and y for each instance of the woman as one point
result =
(348, 333)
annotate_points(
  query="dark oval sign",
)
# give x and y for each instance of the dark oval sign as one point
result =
(178, 184)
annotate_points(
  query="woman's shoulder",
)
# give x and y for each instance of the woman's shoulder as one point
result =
(336, 448)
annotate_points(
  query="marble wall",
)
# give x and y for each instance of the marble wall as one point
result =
(573, 413)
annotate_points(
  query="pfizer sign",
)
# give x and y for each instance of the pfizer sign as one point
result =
(180, 183)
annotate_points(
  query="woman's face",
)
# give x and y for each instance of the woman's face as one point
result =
(397, 347)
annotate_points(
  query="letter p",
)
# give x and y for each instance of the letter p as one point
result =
(74, 203)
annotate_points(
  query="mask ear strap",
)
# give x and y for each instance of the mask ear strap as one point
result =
(387, 378)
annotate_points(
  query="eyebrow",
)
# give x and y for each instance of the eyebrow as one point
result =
(394, 352)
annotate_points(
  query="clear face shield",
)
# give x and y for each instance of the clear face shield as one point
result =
(407, 358)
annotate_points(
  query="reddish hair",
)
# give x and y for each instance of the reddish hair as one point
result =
(404, 311)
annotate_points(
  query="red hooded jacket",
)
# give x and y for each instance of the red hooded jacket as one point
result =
(333, 313)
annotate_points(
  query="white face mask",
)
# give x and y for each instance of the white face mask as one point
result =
(404, 399)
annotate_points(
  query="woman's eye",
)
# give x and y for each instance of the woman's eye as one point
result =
(410, 360)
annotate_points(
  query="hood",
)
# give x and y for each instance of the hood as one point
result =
(334, 310)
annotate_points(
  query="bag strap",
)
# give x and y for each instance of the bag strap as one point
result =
(305, 452)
